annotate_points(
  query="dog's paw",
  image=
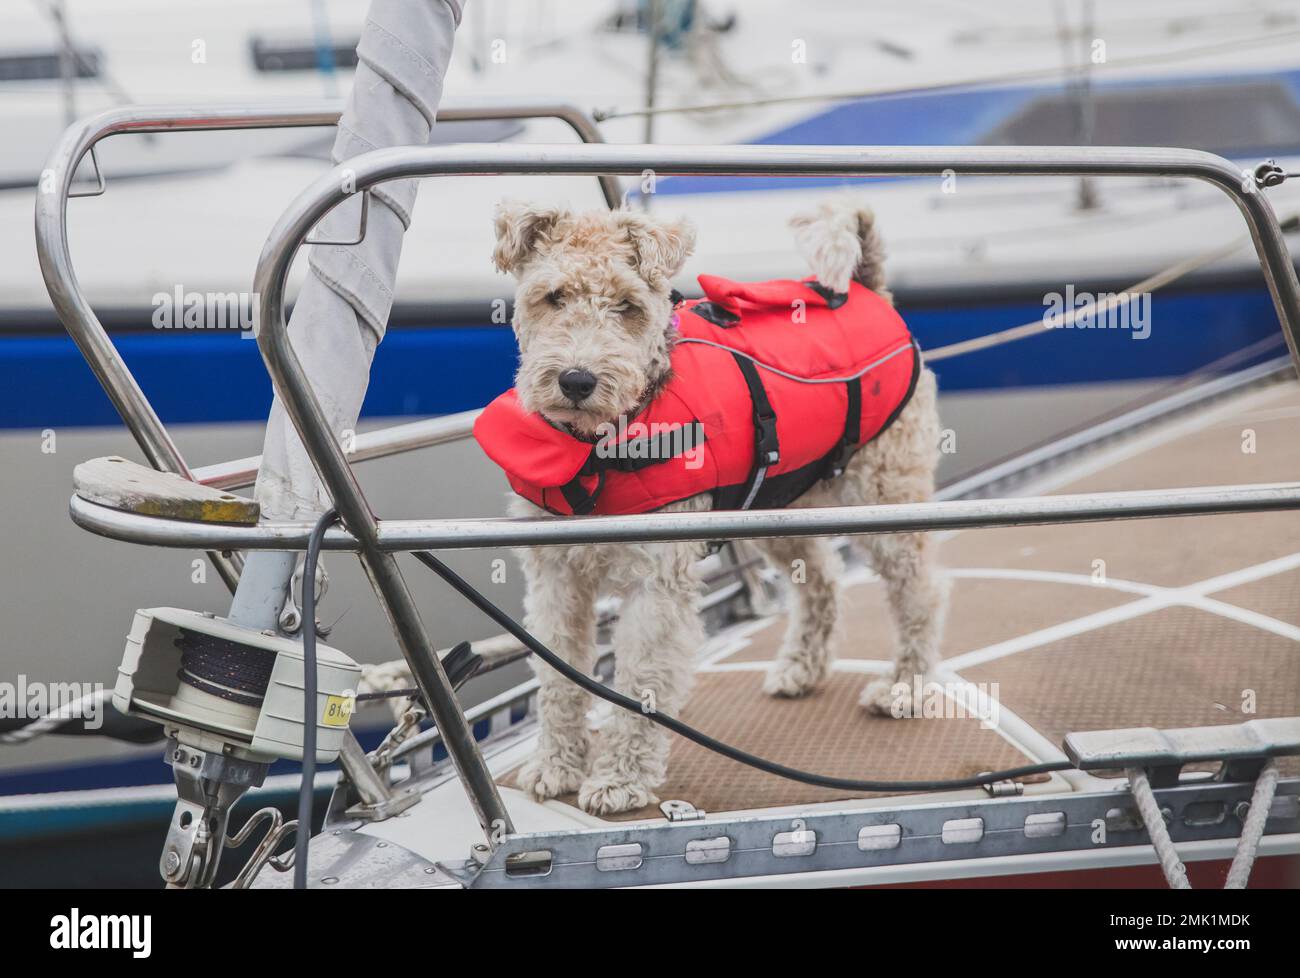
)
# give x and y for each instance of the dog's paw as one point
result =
(604, 795)
(880, 697)
(549, 777)
(791, 677)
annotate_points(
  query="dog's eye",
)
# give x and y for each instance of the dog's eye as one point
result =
(555, 297)
(626, 307)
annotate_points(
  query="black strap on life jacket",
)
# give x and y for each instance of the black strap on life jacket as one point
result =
(653, 450)
(580, 501)
(636, 454)
(713, 313)
(833, 299)
(835, 461)
(838, 457)
(767, 448)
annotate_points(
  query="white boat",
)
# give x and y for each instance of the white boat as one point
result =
(555, 844)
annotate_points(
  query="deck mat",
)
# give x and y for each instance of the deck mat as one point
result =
(1168, 552)
(1277, 596)
(1023, 606)
(1176, 667)
(825, 732)
(1163, 552)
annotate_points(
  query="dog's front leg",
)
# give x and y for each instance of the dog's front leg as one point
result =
(655, 641)
(814, 568)
(560, 609)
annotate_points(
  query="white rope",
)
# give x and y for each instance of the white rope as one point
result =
(79, 708)
(1253, 828)
(1150, 284)
(1174, 870)
(387, 677)
(1041, 325)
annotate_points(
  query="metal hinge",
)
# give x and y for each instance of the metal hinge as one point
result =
(1004, 789)
(681, 811)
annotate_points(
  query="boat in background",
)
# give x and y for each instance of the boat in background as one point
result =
(968, 256)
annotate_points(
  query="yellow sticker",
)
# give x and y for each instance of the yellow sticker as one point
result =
(338, 710)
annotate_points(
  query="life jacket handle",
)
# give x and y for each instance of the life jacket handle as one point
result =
(777, 294)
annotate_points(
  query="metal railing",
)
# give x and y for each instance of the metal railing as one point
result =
(85, 328)
(376, 542)
(380, 166)
(394, 440)
(75, 312)
(477, 533)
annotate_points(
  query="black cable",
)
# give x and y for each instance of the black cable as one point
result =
(696, 736)
(307, 788)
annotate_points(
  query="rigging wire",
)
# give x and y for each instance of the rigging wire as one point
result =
(306, 788)
(1045, 323)
(1029, 74)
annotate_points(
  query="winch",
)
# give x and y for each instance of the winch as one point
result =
(230, 699)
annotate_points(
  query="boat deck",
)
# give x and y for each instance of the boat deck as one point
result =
(1163, 623)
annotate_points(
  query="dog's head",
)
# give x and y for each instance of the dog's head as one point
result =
(592, 308)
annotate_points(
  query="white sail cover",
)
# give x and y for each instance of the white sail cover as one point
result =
(342, 309)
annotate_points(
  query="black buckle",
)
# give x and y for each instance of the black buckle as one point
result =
(766, 447)
(713, 313)
(833, 299)
(461, 664)
(838, 460)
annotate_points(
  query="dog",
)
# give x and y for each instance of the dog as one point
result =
(594, 320)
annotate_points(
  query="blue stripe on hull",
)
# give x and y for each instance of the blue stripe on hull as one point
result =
(128, 772)
(201, 377)
(216, 377)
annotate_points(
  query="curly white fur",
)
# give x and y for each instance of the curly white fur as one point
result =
(593, 295)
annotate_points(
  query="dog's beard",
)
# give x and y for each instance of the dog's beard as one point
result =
(582, 424)
(588, 421)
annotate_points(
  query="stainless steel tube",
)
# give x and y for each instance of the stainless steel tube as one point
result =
(56, 260)
(404, 162)
(394, 440)
(473, 534)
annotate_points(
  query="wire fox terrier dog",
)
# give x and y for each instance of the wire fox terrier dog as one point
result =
(599, 329)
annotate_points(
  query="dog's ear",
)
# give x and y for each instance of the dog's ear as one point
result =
(519, 226)
(661, 247)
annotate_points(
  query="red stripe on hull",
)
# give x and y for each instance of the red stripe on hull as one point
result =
(1273, 872)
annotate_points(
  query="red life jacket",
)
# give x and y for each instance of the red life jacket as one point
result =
(738, 416)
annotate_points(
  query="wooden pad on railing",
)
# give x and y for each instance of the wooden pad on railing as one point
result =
(119, 483)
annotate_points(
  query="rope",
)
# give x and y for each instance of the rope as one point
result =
(1150, 284)
(75, 709)
(1253, 828)
(1174, 870)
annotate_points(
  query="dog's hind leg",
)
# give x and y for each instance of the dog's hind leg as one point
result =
(560, 609)
(898, 467)
(813, 569)
(656, 638)
(917, 603)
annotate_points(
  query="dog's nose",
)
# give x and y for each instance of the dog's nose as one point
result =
(577, 384)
